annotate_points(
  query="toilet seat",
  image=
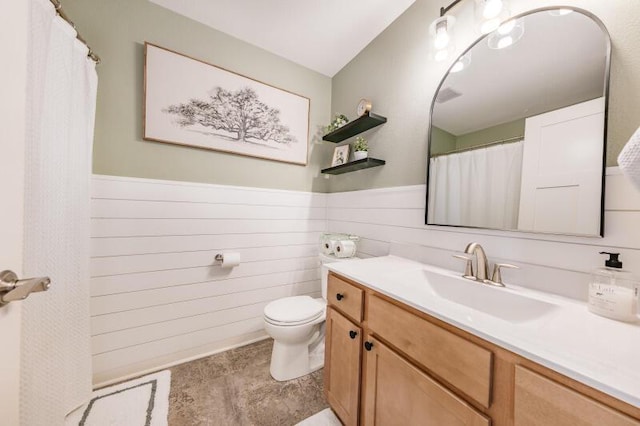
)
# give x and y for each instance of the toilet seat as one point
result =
(295, 310)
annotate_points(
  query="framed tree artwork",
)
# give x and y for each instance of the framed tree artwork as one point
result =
(190, 102)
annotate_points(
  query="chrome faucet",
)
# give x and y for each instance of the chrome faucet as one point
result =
(481, 261)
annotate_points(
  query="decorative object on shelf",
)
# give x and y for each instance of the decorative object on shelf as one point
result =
(190, 102)
(365, 163)
(357, 126)
(364, 107)
(340, 155)
(629, 159)
(338, 121)
(360, 148)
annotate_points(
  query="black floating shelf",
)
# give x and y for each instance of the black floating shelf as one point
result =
(365, 163)
(359, 125)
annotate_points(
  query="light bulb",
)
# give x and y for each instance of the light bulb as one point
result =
(459, 66)
(441, 55)
(507, 27)
(492, 8)
(462, 63)
(442, 38)
(505, 41)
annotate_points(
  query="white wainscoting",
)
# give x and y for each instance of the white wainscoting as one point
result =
(157, 298)
(557, 264)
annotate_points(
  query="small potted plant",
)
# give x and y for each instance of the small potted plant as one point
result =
(338, 121)
(360, 148)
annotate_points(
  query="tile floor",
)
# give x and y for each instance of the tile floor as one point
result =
(234, 388)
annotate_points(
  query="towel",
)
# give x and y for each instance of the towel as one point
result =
(629, 159)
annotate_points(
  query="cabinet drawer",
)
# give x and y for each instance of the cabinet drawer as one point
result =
(345, 297)
(397, 393)
(542, 401)
(459, 362)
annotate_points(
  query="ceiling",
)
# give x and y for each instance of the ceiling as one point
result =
(321, 35)
(559, 61)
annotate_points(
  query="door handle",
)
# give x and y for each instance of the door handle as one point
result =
(353, 334)
(12, 289)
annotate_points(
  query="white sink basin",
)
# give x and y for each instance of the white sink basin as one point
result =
(495, 301)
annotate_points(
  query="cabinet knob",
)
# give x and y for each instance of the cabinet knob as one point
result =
(353, 334)
(368, 345)
(339, 296)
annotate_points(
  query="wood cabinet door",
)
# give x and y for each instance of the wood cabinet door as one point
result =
(397, 393)
(542, 401)
(343, 345)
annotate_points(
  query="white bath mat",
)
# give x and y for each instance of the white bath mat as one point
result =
(323, 418)
(139, 402)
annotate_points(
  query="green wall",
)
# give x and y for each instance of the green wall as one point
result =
(117, 30)
(395, 72)
(441, 141)
(491, 134)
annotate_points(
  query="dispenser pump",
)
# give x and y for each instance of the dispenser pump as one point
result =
(613, 261)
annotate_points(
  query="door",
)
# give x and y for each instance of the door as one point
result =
(561, 188)
(343, 343)
(397, 393)
(13, 39)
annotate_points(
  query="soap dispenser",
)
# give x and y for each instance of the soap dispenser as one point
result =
(613, 292)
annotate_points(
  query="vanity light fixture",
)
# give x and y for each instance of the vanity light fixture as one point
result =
(506, 34)
(441, 33)
(490, 13)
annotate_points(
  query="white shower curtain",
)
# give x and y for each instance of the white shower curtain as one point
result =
(61, 97)
(479, 188)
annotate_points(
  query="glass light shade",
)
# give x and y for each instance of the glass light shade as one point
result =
(490, 13)
(506, 34)
(441, 31)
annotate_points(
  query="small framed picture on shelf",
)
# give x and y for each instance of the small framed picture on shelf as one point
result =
(340, 155)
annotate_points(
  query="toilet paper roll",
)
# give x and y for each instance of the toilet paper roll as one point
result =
(346, 248)
(230, 259)
(326, 247)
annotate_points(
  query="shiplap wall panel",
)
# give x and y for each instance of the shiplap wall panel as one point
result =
(177, 227)
(548, 262)
(156, 291)
(125, 246)
(125, 283)
(116, 265)
(114, 188)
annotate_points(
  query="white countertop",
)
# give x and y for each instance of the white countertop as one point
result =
(599, 352)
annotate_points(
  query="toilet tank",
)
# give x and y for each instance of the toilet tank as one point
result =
(324, 271)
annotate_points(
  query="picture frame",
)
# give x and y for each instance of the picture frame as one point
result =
(340, 155)
(194, 103)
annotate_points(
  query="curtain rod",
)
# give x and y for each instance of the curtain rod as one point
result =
(58, 6)
(486, 145)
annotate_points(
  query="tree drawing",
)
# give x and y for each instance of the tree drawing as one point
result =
(240, 113)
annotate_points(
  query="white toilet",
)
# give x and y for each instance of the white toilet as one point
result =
(296, 325)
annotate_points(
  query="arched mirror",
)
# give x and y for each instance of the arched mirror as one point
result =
(518, 125)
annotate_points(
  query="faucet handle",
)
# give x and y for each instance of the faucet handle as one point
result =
(468, 268)
(496, 278)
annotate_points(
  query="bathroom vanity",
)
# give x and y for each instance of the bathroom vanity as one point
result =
(408, 343)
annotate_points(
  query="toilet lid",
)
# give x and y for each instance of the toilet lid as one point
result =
(294, 309)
